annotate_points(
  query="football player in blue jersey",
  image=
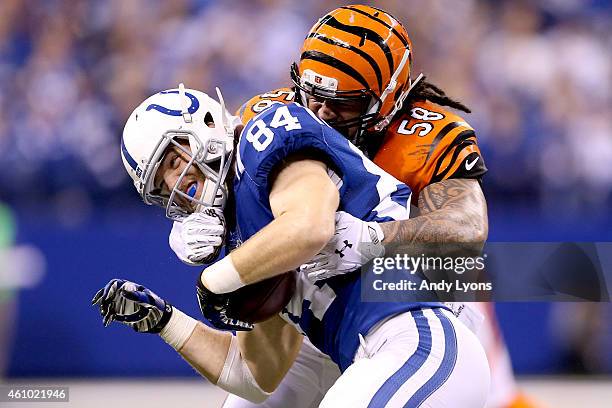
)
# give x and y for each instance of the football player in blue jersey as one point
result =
(285, 179)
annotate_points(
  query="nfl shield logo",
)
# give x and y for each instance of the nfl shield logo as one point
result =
(318, 79)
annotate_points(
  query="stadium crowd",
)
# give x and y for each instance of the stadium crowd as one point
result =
(535, 73)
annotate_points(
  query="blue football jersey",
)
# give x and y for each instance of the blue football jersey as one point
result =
(329, 312)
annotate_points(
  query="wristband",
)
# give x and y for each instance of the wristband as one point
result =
(179, 328)
(222, 277)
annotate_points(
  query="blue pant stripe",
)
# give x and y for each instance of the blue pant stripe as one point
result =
(446, 367)
(411, 366)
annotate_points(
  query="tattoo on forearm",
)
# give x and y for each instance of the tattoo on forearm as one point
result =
(451, 211)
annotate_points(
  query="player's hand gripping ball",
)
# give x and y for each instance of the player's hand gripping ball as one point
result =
(215, 308)
(254, 303)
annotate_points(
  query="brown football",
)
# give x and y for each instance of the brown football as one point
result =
(262, 300)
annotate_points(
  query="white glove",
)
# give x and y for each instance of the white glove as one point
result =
(198, 238)
(354, 243)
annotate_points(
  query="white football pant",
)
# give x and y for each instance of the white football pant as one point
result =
(423, 358)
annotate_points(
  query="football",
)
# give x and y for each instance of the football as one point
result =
(262, 300)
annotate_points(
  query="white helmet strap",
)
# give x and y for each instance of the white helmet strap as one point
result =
(398, 104)
(393, 81)
(229, 128)
(389, 89)
(184, 107)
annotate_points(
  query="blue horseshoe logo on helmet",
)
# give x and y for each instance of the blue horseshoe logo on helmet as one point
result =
(195, 104)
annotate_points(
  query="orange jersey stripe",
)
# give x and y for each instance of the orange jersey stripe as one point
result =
(429, 144)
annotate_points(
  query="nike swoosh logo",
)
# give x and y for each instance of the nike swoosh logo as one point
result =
(469, 166)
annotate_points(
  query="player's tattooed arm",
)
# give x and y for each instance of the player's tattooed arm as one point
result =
(451, 212)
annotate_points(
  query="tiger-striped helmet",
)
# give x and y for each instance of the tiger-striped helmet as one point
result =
(357, 52)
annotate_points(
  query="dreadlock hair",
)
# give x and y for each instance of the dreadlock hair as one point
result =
(425, 90)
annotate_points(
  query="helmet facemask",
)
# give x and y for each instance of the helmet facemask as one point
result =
(366, 97)
(211, 159)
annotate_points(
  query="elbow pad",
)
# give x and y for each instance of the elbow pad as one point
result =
(236, 377)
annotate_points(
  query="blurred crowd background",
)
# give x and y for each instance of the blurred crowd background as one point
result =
(537, 75)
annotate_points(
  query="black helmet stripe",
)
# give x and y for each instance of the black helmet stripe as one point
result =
(385, 12)
(335, 63)
(321, 21)
(356, 50)
(402, 39)
(363, 33)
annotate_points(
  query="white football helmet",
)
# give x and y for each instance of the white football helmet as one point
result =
(165, 119)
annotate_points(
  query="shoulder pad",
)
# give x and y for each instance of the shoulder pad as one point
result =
(261, 102)
(427, 144)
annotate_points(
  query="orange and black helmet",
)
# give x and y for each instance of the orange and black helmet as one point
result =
(357, 52)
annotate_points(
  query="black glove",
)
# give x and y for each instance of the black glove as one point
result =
(215, 307)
